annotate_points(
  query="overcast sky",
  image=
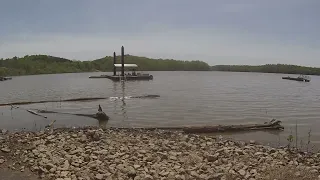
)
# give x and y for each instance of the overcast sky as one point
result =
(215, 31)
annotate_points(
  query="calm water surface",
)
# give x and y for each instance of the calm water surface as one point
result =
(187, 98)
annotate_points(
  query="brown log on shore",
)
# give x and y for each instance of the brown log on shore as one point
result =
(272, 125)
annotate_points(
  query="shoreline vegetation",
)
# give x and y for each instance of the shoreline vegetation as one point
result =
(92, 153)
(269, 68)
(45, 64)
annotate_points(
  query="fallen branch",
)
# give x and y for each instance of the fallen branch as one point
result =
(51, 124)
(33, 112)
(150, 96)
(272, 125)
(66, 100)
(100, 115)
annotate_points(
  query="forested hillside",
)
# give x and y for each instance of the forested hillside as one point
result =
(43, 64)
(269, 68)
(155, 64)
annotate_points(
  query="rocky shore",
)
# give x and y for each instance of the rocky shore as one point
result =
(96, 154)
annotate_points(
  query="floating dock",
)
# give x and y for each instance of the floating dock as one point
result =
(301, 78)
(125, 76)
(5, 78)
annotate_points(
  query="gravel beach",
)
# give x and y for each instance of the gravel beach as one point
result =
(96, 154)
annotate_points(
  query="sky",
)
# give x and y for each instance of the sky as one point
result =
(215, 31)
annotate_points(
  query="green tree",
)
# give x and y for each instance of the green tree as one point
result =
(43, 64)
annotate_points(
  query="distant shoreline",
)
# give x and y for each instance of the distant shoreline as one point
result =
(269, 68)
(264, 72)
(161, 71)
(44, 64)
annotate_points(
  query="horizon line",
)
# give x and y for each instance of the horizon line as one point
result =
(160, 59)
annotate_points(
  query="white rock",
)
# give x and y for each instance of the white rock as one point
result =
(66, 165)
(99, 176)
(242, 172)
(194, 174)
(253, 171)
(314, 171)
(64, 173)
(4, 131)
(5, 150)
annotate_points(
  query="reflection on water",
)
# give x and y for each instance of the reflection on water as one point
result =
(120, 95)
(115, 101)
(123, 105)
(115, 104)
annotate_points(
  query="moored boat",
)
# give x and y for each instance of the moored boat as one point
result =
(5, 78)
(302, 78)
(133, 76)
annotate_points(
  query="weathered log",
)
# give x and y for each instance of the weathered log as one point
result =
(35, 113)
(100, 115)
(272, 125)
(51, 124)
(152, 96)
(66, 100)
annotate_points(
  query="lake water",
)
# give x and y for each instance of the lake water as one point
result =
(186, 98)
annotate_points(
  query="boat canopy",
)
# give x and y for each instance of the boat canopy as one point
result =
(126, 65)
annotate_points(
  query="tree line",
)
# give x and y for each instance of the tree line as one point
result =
(269, 68)
(44, 64)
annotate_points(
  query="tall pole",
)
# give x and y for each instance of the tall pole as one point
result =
(114, 62)
(122, 61)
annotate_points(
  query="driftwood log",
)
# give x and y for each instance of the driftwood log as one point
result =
(100, 115)
(272, 125)
(35, 113)
(149, 96)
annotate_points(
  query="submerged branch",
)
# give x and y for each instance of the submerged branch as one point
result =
(99, 115)
(149, 96)
(33, 112)
(66, 100)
